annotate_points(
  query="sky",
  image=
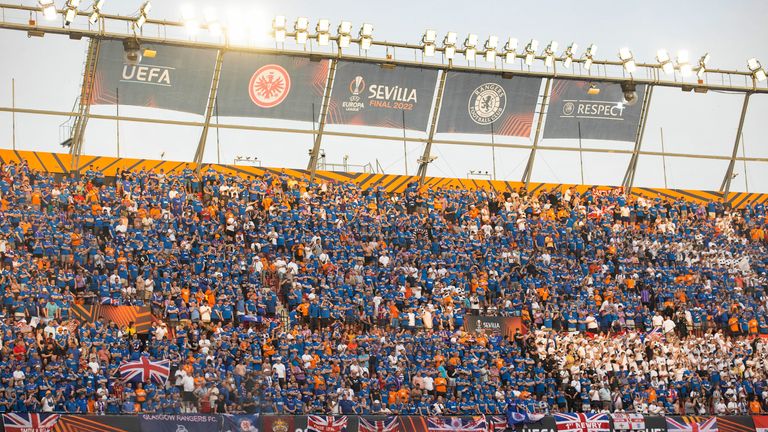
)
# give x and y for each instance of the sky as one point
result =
(48, 73)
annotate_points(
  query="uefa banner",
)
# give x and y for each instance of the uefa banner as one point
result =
(574, 114)
(504, 325)
(366, 94)
(177, 423)
(174, 78)
(271, 86)
(476, 103)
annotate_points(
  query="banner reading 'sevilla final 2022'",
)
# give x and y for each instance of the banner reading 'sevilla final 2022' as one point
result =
(574, 114)
(176, 78)
(367, 94)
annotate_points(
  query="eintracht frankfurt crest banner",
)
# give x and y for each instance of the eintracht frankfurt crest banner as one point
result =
(369, 95)
(271, 86)
(475, 103)
(169, 77)
(574, 114)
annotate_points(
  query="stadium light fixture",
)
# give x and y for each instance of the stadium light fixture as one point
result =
(490, 48)
(449, 45)
(366, 36)
(143, 14)
(589, 56)
(214, 26)
(530, 51)
(549, 54)
(189, 16)
(684, 63)
(428, 41)
(703, 61)
(301, 26)
(662, 56)
(569, 52)
(48, 8)
(96, 12)
(323, 30)
(71, 12)
(470, 46)
(345, 34)
(510, 51)
(758, 72)
(627, 60)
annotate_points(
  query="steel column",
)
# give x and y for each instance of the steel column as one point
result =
(315, 154)
(424, 161)
(726, 186)
(532, 158)
(629, 176)
(200, 152)
(84, 105)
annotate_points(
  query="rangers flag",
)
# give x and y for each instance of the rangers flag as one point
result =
(29, 422)
(572, 422)
(623, 421)
(326, 424)
(456, 424)
(388, 424)
(692, 424)
(144, 370)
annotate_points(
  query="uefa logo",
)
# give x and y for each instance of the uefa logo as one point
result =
(568, 108)
(357, 86)
(487, 103)
(269, 86)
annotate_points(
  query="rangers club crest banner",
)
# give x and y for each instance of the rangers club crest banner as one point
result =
(271, 86)
(168, 77)
(475, 103)
(574, 114)
(367, 94)
(573, 422)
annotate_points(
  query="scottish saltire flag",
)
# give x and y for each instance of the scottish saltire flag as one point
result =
(144, 370)
(326, 423)
(572, 422)
(29, 422)
(622, 421)
(691, 424)
(388, 424)
(457, 424)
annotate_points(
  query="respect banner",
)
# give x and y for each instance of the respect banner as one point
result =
(366, 94)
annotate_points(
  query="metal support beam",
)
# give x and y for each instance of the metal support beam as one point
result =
(84, 103)
(426, 157)
(532, 158)
(629, 176)
(200, 152)
(726, 186)
(315, 154)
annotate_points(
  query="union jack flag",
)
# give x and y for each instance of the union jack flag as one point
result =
(496, 423)
(572, 422)
(388, 424)
(691, 424)
(326, 424)
(457, 424)
(144, 370)
(29, 422)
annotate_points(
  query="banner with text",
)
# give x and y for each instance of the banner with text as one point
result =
(575, 114)
(271, 86)
(504, 325)
(366, 94)
(178, 423)
(476, 103)
(168, 77)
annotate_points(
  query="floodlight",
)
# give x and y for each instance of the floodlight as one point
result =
(490, 48)
(470, 44)
(569, 55)
(214, 26)
(703, 61)
(189, 16)
(139, 23)
(48, 8)
(628, 60)
(96, 13)
(323, 30)
(758, 72)
(589, 56)
(428, 41)
(301, 26)
(549, 54)
(146, 7)
(451, 38)
(662, 56)
(71, 12)
(345, 34)
(684, 63)
(143, 13)
(510, 51)
(366, 39)
(530, 51)
(469, 53)
(450, 52)
(449, 45)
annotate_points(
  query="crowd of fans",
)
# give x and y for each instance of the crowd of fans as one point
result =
(274, 296)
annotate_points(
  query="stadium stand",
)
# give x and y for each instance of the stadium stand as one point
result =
(273, 296)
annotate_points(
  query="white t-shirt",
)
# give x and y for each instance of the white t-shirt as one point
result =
(205, 313)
